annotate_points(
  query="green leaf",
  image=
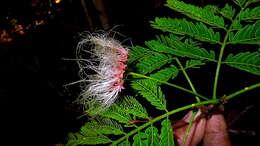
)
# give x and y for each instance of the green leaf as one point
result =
(250, 34)
(117, 113)
(137, 53)
(166, 73)
(237, 25)
(227, 11)
(194, 63)
(181, 49)
(140, 139)
(248, 14)
(153, 136)
(125, 143)
(200, 14)
(166, 137)
(149, 64)
(105, 126)
(198, 31)
(79, 139)
(247, 61)
(240, 2)
(149, 90)
(131, 106)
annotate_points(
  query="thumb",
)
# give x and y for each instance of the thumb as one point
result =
(216, 133)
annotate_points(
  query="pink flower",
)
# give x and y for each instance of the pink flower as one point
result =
(108, 61)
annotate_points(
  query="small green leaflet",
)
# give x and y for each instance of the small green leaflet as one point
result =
(197, 13)
(179, 48)
(247, 61)
(166, 137)
(138, 53)
(198, 31)
(149, 64)
(149, 90)
(115, 112)
(193, 63)
(227, 11)
(165, 74)
(131, 106)
(140, 139)
(79, 139)
(250, 34)
(153, 136)
(248, 14)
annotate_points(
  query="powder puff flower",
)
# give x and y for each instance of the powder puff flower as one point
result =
(108, 61)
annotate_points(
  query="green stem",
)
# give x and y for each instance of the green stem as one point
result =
(212, 101)
(220, 58)
(219, 64)
(188, 128)
(170, 84)
(188, 79)
(243, 90)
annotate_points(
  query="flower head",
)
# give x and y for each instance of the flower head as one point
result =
(108, 61)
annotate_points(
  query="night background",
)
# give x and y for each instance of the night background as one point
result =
(36, 36)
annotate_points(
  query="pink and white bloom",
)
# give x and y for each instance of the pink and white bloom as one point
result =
(108, 61)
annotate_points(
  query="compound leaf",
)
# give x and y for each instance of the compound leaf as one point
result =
(149, 90)
(140, 139)
(200, 14)
(166, 137)
(117, 113)
(248, 14)
(153, 136)
(165, 74)
(151, 63)
(181, 49)
(246, 61)
(198, 31)
(132, 106)
(250, 34)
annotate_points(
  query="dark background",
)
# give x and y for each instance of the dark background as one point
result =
(36, 108)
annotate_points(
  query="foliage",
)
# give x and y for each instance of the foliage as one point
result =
(158, 63)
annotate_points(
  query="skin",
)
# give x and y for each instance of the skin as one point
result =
(211, 131)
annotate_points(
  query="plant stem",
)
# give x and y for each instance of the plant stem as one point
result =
(170, 84)
(243, 90)
(220, 57)
(188, 128)
(212, 101)
(219, 64)
(188, 79)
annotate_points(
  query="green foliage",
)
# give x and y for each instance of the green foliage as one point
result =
(178, 48)
(247, 61)
(194, 63)
(240, 2)
(93, 132)
(248, 14)
(150, 91)
(131, 106)
(166, 73)
(138, 53)
(193, 42)
(152, 136)
(166, 133)
(140, 139)
(227, 12)
(115, 112)
(197, 13)
(151, 63)
(198, 31)
(250, 34)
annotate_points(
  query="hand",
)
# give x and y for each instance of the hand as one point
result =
(213, 131)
